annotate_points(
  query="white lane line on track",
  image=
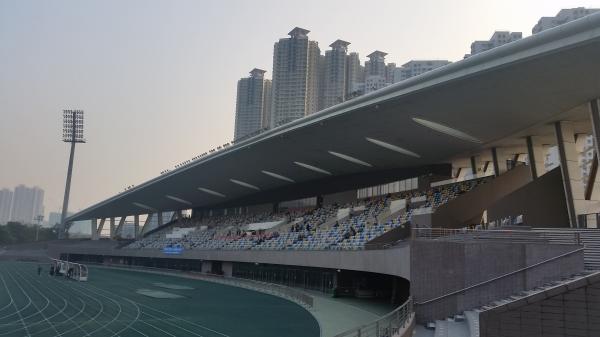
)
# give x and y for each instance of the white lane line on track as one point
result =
(82, 311)
(175, 317)
(70, 318)
(12, 301)
(6, 306)
(144, 321)
(34, 305)
(103, 324)
(10, 295)
(157, 328)
(131, 322)
(136, 319)
(35, 313)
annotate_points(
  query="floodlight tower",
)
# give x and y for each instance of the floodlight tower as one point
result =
(72, 133)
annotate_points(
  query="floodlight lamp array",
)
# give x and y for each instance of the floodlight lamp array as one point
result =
(73, 126)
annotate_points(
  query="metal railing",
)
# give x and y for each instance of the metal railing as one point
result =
(466, 234)
(477, 285)
(288, 293)
(386, 326)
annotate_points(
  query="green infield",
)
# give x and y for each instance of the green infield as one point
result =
(129, 303)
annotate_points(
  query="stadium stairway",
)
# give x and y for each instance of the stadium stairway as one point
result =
(590, 238)
(467, 324)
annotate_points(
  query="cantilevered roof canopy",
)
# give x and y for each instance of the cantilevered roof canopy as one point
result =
(456, 109)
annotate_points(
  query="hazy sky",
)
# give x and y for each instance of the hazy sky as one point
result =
(157, 79)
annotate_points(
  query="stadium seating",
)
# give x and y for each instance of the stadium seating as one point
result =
(315, 229)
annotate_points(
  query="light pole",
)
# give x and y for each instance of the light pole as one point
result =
(72, 133)
(39, 219)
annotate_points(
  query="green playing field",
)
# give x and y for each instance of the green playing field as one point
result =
(128, 303)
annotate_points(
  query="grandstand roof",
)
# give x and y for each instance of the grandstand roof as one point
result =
(459, 108)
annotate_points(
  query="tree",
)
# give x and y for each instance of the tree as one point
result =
(15, 232)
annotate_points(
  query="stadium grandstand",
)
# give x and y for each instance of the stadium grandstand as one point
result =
(422, 209)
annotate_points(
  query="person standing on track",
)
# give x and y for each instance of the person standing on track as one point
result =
(39, 269)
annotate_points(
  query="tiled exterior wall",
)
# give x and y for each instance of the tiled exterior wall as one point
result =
(572, 310)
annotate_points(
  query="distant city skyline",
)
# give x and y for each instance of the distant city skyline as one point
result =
(23, 204)
(158, 83)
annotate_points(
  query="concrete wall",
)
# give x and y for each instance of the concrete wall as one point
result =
(571, 310)
(340, 198)
(394, 261)
(460, 211)
(227, 269)
(542, 203)
(439, 267)
(206, 266)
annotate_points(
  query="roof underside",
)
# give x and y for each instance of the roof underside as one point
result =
(489, 96)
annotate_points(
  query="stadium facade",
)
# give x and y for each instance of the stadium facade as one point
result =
(473, 133)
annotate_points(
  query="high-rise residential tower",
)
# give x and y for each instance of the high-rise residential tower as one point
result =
(375, 72)
(334, 74)
(295, 77)
(417, 67)
(28, 203)
(355, 77)
(498, 38)
(253, 104)
(563, 16)
(6, 197)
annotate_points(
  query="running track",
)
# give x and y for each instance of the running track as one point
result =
(32, 305)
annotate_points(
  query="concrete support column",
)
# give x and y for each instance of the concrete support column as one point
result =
(474, 166)
(536, 153)
(461, 167)
(206, 267)
(159, 218)
(595, 118)
(136, 226)
(119, 229)
(100, 227)
(495, 162)
(569, 166)
(112, 228)
(95, 235)
(146, 226)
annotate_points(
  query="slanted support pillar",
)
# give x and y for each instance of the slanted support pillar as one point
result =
(593, 185)
(532, 158)
(474, 166)
(569, 167)
(100, 227)
(136, 226)
(536, 151)
(159, 218)
(94, 232)
(112, 228)
(119, 229)
(146, 226)
(595, 118)
(495, 162)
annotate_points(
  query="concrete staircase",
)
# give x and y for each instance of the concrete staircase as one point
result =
(467, 324)
(590, 238)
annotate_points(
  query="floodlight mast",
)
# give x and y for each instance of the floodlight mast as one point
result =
(72, 133)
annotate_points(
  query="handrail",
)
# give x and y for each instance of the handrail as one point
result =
(387, 325)
(476, 234)
(499, 277)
